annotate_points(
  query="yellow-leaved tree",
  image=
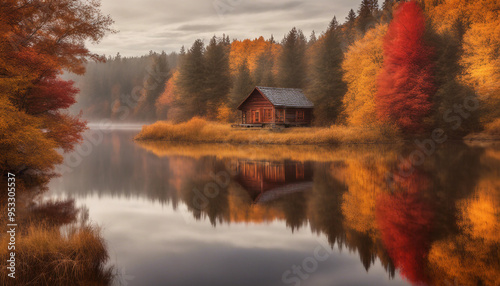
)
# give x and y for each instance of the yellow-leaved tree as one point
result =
(23, 144)
(475, 25)
(481, 60)
(361, 66)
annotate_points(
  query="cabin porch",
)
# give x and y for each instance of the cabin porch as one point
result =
(274, 117)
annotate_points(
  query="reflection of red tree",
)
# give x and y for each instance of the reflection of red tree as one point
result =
(404, 219)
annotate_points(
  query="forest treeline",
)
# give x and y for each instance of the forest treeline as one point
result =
(413, 65)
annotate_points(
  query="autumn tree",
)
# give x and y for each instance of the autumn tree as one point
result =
(248, 51)
(406, 82)
(292, 60)
(467, 68)
(327, 88)
(40, 39)
(166, 99)
(21, 142)
(363, 62)
(481, 45)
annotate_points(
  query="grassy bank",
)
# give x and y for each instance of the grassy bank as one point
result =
(54, 242)
(202, 131)
(45, 256)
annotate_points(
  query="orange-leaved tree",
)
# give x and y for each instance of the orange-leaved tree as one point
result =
(406, 82)
(363, 62)
(38, 41)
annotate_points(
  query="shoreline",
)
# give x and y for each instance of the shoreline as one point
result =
(200, 131)
(305, 144)
(266, 143)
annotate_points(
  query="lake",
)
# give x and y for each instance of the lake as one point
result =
(181, 214)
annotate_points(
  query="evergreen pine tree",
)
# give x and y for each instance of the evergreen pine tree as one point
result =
(292, 61)
(243, 84)
(271, 40)
(351, 17)
(218, 76)
(154, 85)
(327, 88)
(191, 83)
(312, 39)
(349, 28)
(365, 14)
(263, 74)
(334, 24)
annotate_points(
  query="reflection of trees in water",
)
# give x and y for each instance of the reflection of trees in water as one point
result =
(117, 167)
(469, 255)
(201, 193)
(350, 202)
(413, 227)
(324, 211)
(55, 243)
(404, 219)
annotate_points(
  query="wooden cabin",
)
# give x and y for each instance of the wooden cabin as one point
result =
(276, 106)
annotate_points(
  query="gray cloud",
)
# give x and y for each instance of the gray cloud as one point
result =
(199, 28)
(167, 25)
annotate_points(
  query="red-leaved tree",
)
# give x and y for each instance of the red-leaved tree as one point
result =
(406, 82)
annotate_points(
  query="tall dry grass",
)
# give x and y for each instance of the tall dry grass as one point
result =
(47, 256)
(201, 131)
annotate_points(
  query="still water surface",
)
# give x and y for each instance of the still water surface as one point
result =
(226, 215)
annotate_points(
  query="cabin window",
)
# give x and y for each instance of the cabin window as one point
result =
(257, 116)
(300, 115)
(280, 115)
(268, 114)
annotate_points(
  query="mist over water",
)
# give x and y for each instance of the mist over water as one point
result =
(109, 125)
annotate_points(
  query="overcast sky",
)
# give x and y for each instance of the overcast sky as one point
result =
(158, 25)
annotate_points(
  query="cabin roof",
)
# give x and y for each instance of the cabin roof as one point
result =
(284, 97)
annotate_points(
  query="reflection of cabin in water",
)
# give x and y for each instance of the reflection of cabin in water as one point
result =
(276, 106)
(266, 181)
